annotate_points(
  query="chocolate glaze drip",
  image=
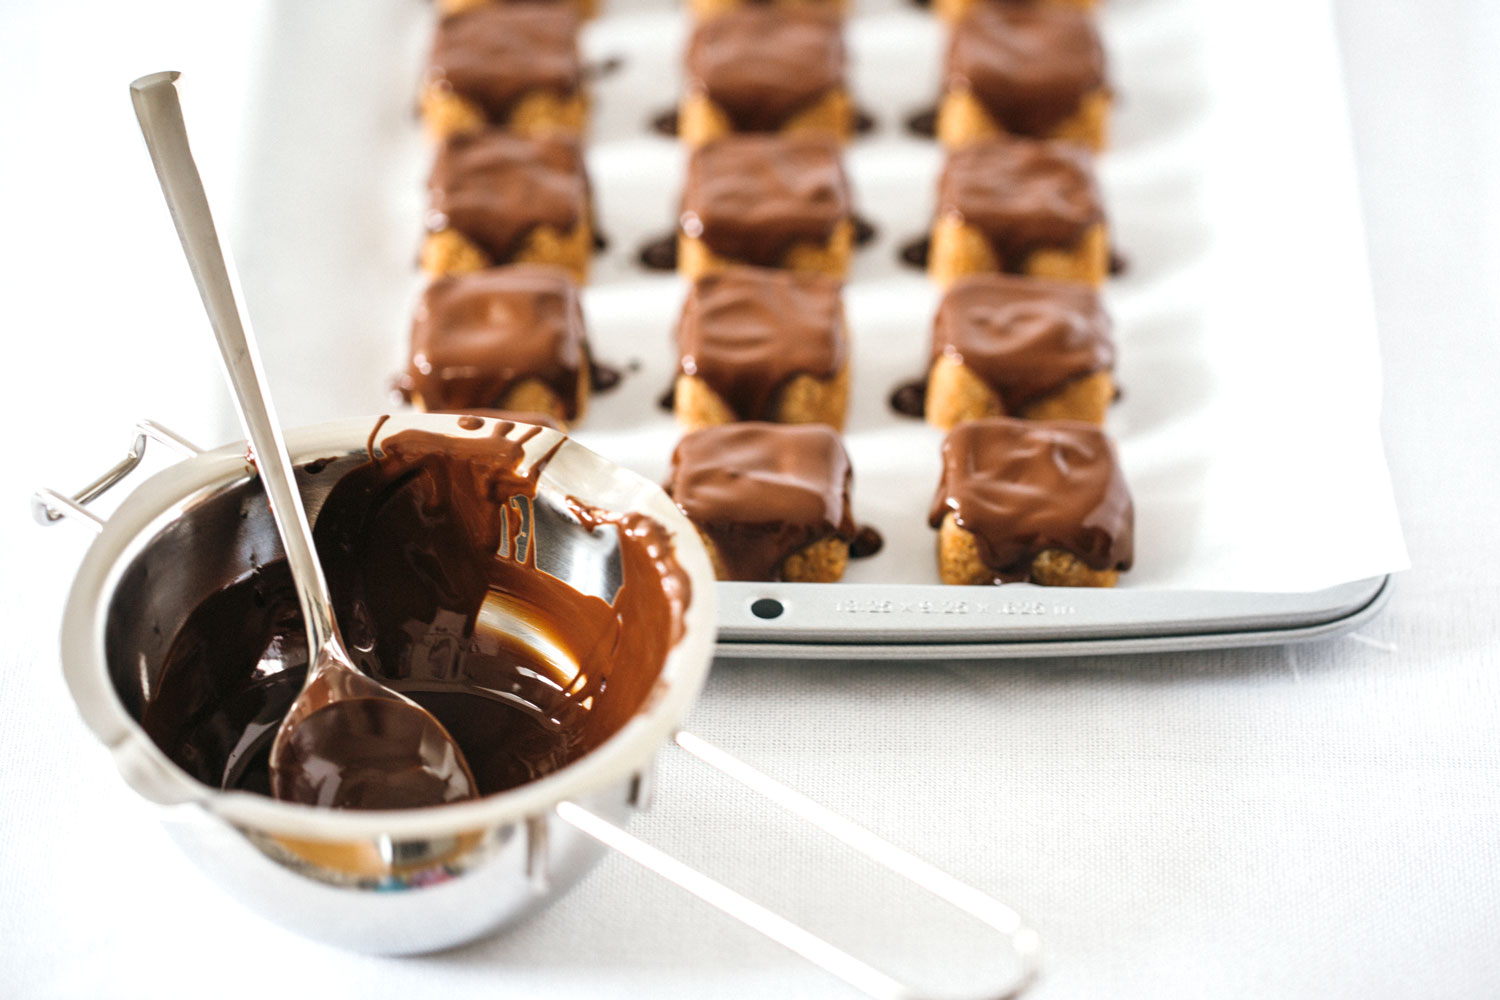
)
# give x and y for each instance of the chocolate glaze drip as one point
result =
(762, 65)
(1118, 262)
(752, 197)
(659, 254)
(864, 121)
(867, 542)
(923, 123)
(748, 331)
(761, 492)
(495, 188)
(910, 398)
(602, 68)
(864, 231)
(1024, 486)
(602, 377)
(665, 122)
(1029, 65)
(409, 542)
(668, 399)
(475, 337)
(1022, 194)
(916, 252)
(1024, 337)
(495, 54)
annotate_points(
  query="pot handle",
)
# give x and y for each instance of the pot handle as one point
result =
(50, 507)
(1021, 939)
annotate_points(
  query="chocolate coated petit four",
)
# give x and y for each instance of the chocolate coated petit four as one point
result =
(1020, 206)
(1020, 347)
(506, 338)
(770, 500)
(1042, 501)
(761, 344)
(768, 200)
(509, 66)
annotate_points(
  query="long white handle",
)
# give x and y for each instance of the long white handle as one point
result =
(1019, 938)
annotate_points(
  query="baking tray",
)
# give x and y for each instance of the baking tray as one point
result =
(327, 221)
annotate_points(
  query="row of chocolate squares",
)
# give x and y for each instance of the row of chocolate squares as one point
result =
(1010, 205)
(1038, 501)
(1033, 70)
(763, 344)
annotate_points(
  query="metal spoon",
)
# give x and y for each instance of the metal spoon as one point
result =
(348, 741)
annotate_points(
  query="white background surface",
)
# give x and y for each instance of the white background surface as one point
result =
(1321, 821)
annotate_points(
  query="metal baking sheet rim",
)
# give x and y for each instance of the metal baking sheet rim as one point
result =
(833, 621)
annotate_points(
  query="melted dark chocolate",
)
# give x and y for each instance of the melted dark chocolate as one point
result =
(746, 332)
(496, 54)
(864, 121)
(476, 337)
(1023, 337)
(761, 492)
(1025, 486)
(763, 65)
(370, 753)
(1023, 195)
(495, 188)
(752, 197)
(864, 231)
(409, 543)
(1029, 65)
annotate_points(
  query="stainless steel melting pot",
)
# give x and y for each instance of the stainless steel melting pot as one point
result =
(401, 882)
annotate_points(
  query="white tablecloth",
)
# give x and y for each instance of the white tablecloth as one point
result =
(1313, 821)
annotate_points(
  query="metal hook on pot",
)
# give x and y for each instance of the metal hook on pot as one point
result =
(50, 506)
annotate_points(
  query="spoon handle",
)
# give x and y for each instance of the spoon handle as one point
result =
(159, 111)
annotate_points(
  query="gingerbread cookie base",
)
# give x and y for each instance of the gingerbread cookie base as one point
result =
(700, 119)
(956, 393)
(962, 119)
(959, 249)
(959, 563)
(694, 258)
